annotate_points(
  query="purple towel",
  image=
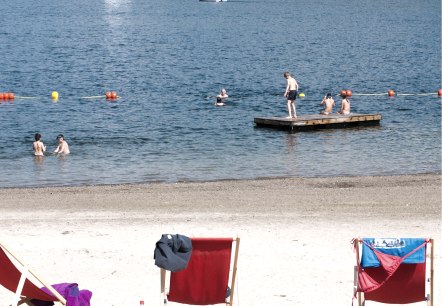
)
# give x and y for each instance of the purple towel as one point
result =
(70, 291)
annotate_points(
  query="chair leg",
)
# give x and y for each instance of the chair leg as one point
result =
(21, 283)
(163, 286)
(432, 273)
(25, 300)
(235, 264)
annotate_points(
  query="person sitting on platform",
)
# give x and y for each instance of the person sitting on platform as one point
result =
(329, 103)
(345, 105)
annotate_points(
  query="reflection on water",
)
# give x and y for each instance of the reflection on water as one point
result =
(116, 11)
(63, 163)
(115, 4)
(62, 157)
(39, 163)
(291, 141)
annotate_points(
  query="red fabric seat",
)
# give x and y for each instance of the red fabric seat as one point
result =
(205, 280)
(394, 282)
(406, 285)
(10, 277)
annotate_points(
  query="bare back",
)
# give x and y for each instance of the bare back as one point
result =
(291, 84)
(345, 107)
(329, 103)
(39, 148)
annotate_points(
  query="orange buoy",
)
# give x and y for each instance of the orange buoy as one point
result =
(391, 93)
(113, 95)
(439, 93)
(343, 93)
(2, 96)
(11, 96)
(108, 94)
(349, 93)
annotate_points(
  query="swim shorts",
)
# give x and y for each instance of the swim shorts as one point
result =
(292, 95)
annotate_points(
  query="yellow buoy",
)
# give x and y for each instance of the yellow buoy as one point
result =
(302, 95)
(54, 95)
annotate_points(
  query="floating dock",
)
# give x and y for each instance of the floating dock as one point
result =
(317, 121)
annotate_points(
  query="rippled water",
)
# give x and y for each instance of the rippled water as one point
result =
(167, 59)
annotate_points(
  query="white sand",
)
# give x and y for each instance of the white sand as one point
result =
(295, 233)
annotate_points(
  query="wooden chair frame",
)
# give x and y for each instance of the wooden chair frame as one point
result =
(18, 299)
(430, 297)
(232, 280)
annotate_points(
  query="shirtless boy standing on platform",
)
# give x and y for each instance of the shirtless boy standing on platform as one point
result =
(291, 92)
(39, 147)
(329, 103)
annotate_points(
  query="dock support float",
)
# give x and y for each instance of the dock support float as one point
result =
(312, 122)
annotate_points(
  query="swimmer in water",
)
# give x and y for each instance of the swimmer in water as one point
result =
(38, 146)
(63, 147)
(220, 98)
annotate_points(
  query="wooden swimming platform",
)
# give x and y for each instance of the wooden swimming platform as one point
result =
(317, 121)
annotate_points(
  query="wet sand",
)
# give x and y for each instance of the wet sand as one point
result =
(295, 232)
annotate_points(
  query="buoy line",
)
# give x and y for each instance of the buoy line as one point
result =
(414, 94)
(9, 96)
(112, 95)
(93, 97)
(372, 94)
(346, 93)
(24, 97)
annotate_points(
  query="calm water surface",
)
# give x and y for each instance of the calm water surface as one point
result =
(168, 59)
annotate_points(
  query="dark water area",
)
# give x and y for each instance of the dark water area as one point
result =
(168, 59)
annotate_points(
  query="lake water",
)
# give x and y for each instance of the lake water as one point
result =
(168, 59)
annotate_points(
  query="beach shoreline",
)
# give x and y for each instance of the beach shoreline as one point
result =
(295, 232)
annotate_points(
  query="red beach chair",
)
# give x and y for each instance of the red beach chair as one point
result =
(205, 281)
(393, 270)
(16, 280)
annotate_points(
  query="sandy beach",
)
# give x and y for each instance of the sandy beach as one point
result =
(295, 232)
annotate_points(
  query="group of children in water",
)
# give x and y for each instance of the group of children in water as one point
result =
(40, 148)
(291, 92)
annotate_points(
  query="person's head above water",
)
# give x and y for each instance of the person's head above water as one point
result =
(37, 136)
